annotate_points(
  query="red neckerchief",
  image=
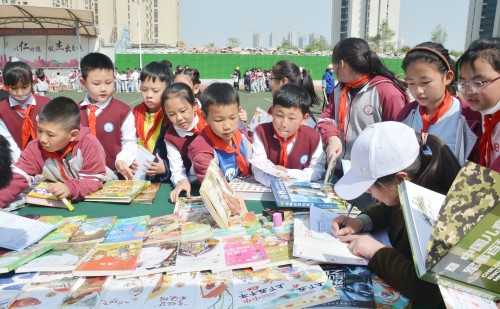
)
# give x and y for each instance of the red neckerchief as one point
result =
(486, 144)
(221, 145)
(54, 155)
(28, 128)
(442, 109)
(201, 123)
(284, 145)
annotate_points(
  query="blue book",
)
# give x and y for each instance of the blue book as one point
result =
(129, 229)
(306, 194)
(12, 285)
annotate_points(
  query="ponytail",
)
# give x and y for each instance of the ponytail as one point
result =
(289, 70)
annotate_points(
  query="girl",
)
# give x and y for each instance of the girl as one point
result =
(378, 171)
(429, 74)
(182, 109)
(42, 82)
(236, 81)
(150, 122)
(190, 77)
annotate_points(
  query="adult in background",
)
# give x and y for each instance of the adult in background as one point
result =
(328, 84)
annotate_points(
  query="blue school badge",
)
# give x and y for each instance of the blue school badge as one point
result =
(303, 160)
(109, 127)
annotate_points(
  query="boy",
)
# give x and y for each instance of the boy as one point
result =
(109, 119)
(64, 152)
(293, 147)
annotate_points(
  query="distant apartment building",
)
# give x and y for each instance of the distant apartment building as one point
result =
(273, 39)
(258, 40)
(292, 37)
(313, 36)
(303, 41)
(483, 20)
(401, 43)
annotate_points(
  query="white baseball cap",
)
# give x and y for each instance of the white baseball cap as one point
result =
(382, 149)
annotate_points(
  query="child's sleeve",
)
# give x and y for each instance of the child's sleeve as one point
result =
(177, 168)
(327, 126)
(316, 168)
(201, 161)
(130, 141)
(392, 101)
(259, 154)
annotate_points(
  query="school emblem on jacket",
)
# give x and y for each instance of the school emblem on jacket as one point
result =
(368, 110)
(108, 127)
(230, 173)
(303, 160)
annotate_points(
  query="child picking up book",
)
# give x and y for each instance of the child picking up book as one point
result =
(64, 152)
(293, 147)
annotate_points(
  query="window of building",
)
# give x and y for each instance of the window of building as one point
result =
(96, 11)
(129, 16)
(129, 7)
(25, 3)
(156, 15)
(97, 19)
(156, 30)
(156, 40)
(156, 5)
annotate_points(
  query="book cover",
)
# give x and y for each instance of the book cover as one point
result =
(279, 248)
(46, 291)
(118, 191)
(188, 206)
(143, 155)
(40, 196)
(87, 293)
(306, 194)
(63, 257)
(252, 224)
(130, 293)
(163, 228)
(19, 232)
(268, 167)
(250, 189)
(129, 229)
(234, 228)
(66, 228)
(174, 291)
(203, 254)
(110, 259)
(12, 285)
(50, 219)
(10, 260)
(148, 195)
(387, 297)
(196, 230)
(455, 299)
(93, 230)
(215, 290)
(259, 117)
(243, 251)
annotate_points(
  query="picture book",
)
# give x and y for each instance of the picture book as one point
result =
(163, 228)
(259, 117)
(263, 288)
(148, 195)
(268, 167)
(48, 290)
(196, 230)
(155, 258)
(354, 285)
(12, 285)
(252, 224)
(50, 219)
(279, 248)
(235, 228)
(174, 291)
(20, 232)
(214, 190)
(31, 216)
(454, 299)
(87, 293)
(93, 230)
(39, 196)
(130, 293)
(66, 228)
(387, 297)
(110, 259)
(197, 255)
(129, 229)
(10, 259)
(215, 290)
(306, 194)
(63, 257)
(250, 189)
(186, 207)
(142, 156)
(18, 203)
(118, 191)
(243, 251)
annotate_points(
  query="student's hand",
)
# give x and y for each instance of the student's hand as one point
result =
(243, 115)
(155, 168)
(233, 204)
(59, 189)
(334, 145)
(123, 169)
(183, 185)
(362, 245)
(134, 167)
(281, 168)
(249, 128)
(352, 226)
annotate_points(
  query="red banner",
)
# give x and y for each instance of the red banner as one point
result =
(46, 31)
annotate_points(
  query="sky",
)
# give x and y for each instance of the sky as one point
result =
(215, 21)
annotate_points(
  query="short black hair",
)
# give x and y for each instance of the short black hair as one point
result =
(180, 91)
(487, 49)
(219, 94)
(16, 72)
(95, 61)
(167, 63)
(158, 70)
(62, 111)
(5, 162)
(292, 96)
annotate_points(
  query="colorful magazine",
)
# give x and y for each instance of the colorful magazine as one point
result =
(10, 260)
(118, 191)
(306, 194)
(387, 297)
(186, 207)
(148, 195)
(93, 230)
(279, 248)
(215, 290)
(163, 228)
(131, 293)
(243, 251)
(174, 291)
(66, 228)
(87, 293)
(197, 255)
(50, 219)
(129, 229)
(12, 285)
(235, 228)
(196, 230)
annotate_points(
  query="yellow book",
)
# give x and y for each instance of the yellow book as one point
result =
(40, 196)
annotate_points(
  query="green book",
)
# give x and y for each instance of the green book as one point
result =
(118, 191)
(10, 260)
(66, 228)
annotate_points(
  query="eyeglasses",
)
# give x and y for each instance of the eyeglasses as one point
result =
(474, 86)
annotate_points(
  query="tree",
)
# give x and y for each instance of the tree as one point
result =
(233, 42)
(405, 49)
(456, 53)
(287, 45)
(382, 41)
(439, 35)
(210, 44)
(318, 44)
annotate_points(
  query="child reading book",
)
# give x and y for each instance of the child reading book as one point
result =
(109, 119)
(292, 146)
(64, 152)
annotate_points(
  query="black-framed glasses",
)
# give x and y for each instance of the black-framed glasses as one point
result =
(474, 86)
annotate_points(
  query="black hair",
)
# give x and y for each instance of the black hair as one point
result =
(288, 69)
(95, 61)
(431, 58)
(195, 78)
(158, 70)
(487, 49)
(62, 111)
(17, 72)
(219, 94)
(357, 54)
(292, 96)
(178, 68)
(167, 63)
(180, 91)
(40, 74)
(5, 162)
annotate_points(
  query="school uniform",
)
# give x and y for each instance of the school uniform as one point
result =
(490, 141)
(304, 154)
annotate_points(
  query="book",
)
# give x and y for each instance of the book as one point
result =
(215, 290)
(20, 232)
(63, 257)
(130, 293)
(268, 167)
(250, 189)
(148, 195)
(66, 228)
(50, 219)
(17, 204)
(39, 196)
(279, 248)
(129, 229)
(93, 230)
(259, 117)
(197, 255)
(12, 285)
(306, 194)
(118, 191)
(234, 228)
(242, 251)
(155, 258)
(454, 299)
(87, 293)
(11, 259)
(31, 216)
(46, 291)
(252, 224)
(110, 259)
(186, 207)
(387, 297)
(174, 291)
(142, 156)
(163, 228)
(196, 230)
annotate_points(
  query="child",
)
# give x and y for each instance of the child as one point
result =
(479, 85)
(150, 122)
(42, 82)
(64, 152)
(378, 170)
(19, 112)
(109, 119)
(181, 108)
(236, 81)
(123, 81)
(192, 79)
(429, 73)
(287, 142)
